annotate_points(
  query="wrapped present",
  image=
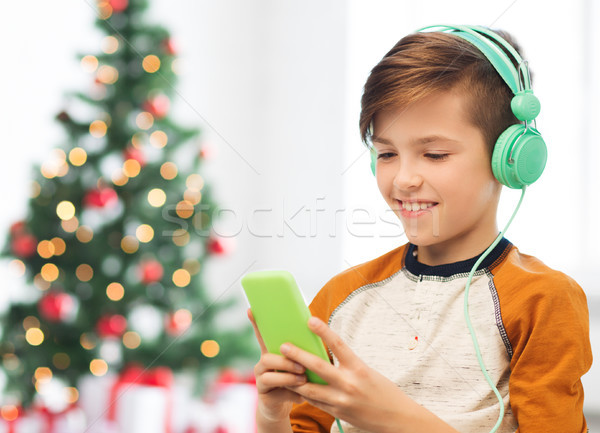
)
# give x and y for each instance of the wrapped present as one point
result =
(235, 399)
(141, 400)
(39, 419)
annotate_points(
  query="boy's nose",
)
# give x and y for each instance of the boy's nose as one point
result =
(407, 179)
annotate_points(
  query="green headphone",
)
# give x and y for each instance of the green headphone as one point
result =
(520, 152)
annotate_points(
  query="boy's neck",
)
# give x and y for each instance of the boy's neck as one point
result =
(442, 253)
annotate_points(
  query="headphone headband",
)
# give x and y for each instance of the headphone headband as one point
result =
(496, 56)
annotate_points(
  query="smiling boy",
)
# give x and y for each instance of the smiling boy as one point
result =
(403, 359)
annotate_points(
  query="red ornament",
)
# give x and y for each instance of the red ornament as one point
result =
(119, 5)
(18, 228)
(220, 246)
(102, 197)
(178, 322)
(135, 153)
(158, 105)
(170, 46)
(207, 151)
(111, 325)
(23, 245)
(150, 271)
(56, 306)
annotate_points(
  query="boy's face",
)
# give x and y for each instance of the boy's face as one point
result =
(433, 170)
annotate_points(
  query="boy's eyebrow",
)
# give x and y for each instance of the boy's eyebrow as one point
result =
(416, 141)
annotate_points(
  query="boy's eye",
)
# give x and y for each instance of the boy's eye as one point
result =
(436, 156)
(385, 155)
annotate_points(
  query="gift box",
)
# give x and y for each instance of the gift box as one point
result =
(235, 399)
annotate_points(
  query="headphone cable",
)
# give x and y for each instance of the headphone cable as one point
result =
(468, 320)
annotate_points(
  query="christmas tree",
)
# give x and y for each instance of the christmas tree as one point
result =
(118, 229)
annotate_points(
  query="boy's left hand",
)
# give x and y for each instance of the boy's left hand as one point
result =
(355, 392)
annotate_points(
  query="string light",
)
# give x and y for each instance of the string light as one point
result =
(115, 291)
(87, 342)
(11, 361)
(98, 128)
(131, 340)
(42, 374)
(184, 209)
(105, 10)
(157, 197)
(129, 244)
(159, 139)
(144, 120)
(193, 196)
(194, 182)
(18, 267)
(45, 249)
(181, 278)
(72, 394)
(59, 246)
(89, 63)
(110, 44)
(181, 237)
(65, 210)
(107, 74)
(168, 170)
(151, 63)
(192, 266)
(40, 282)
(119, 178)
(139, 139)
(34, 336)
(9, 412)
(98, 367)
(30, 322)
(144, 233)
(49, 272)
(131, 168)
(182, 318)
(210, 348)
(78, 156)
(70, 225)
(84, 234)
(84, 272)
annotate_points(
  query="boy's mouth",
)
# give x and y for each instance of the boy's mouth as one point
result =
(413, 206)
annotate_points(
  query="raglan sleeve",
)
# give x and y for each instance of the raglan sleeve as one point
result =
(549, 333)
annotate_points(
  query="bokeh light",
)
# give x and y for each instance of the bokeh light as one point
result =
(144, 233)
(210, 348)
(98, 128)
(84, 234)
(49, 272)
(159, 139)
(131, 340)
(110, 44)
(184, 209)
(168, 170)
(151, 63)
(84, 272)
(115, 291)
(61, 360)
(89, 63)
(108, 74)
(98, 367)
(157, 197)
(131, 168)
(144, 120)
(181, 278)
(181, 237)
(78, 156)
(65, 210)
(129, 244)
(34, 336)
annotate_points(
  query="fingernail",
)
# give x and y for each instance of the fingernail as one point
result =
(285, 349)
(313, 321)
(298, 368)
(300, 378)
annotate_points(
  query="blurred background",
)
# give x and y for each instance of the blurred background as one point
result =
(275, 87)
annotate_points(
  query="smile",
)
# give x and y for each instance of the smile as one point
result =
(416, 206)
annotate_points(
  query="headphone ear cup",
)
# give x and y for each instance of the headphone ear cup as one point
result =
(529, 155)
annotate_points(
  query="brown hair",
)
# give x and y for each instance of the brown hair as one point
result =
(421, 64)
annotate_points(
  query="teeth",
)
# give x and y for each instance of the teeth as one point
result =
(414, 206)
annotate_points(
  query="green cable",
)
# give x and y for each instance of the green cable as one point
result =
(339, 425)
(468, 320)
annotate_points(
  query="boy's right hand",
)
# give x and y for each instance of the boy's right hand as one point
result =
(273, 373)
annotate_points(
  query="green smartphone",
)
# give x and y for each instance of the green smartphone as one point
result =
(281, 314)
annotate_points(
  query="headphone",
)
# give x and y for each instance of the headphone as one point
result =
(520, 153)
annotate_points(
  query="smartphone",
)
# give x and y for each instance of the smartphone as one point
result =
(281, 314)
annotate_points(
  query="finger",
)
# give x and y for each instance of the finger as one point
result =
(261, 343)
(320, 396)
(312, 362)
(272, 379)
(334, 342)
(271, 361)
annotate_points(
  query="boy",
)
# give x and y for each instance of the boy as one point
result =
(403, 359)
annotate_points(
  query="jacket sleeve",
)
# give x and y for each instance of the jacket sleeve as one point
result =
(548, 327)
